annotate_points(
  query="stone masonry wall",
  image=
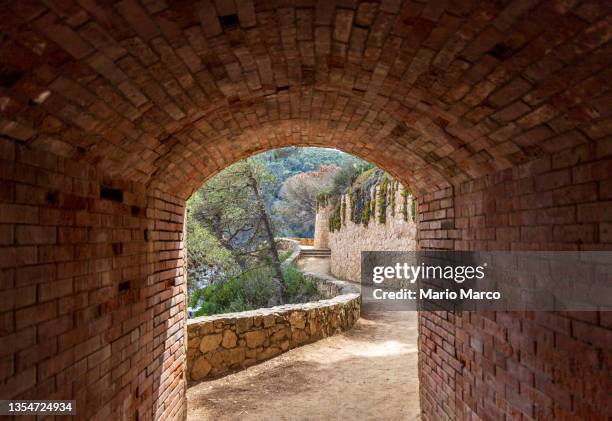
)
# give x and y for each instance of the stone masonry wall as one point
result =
(347, 243)
(321, 234)
(227, 342)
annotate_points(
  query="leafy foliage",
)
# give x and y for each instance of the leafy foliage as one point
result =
(382, 201)
(251, 290)
(225, 204)
(304, 172)
(206, 256)
(287, 162)
(226, 232)
(370, 195)
(231, 264)
(299, 288)
(405, 205)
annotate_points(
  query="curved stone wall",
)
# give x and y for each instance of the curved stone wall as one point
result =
(227, 342)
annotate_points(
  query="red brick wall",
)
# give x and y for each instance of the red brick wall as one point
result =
(92, 304)
(161, 93)
(91, 301)
(536, 364)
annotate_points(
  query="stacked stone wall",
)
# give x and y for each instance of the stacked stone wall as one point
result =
(228, 342)
(398, 232)
(321, 234)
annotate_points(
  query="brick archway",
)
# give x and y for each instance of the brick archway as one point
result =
(110, 116)
(188, 166)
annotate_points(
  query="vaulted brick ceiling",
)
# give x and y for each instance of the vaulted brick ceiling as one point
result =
(168, 92)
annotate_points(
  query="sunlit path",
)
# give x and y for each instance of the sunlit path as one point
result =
(369, 372)
(314, 264)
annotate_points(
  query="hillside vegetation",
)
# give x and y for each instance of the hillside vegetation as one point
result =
(232, 220)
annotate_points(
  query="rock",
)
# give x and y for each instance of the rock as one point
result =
(217, 361)
(222, 344)
(193, 343)
(205, 329)
(234, 356)
(314, 327)
(192, 354)
(193, 331)
(279, 336)
(255, 338)
(269, 320)
(244, 324)
(298, 336)
(347, 243)
(297, 320)
(201, 368)
(210, 343)
(226, 358)
(229, 339)
(268, 353)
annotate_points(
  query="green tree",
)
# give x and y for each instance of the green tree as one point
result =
(233, 262)
(226, 211)
(207, 259)
(255, 174)
(231, 208)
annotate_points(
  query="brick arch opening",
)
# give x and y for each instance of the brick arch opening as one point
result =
(110, 115)
(181, 174)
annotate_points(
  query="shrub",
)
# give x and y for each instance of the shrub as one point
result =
(299, 289)
(252, 290)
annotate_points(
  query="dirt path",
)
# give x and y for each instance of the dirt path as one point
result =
(314, 264)
(367, 373)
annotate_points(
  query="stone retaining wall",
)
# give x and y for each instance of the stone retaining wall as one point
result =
(227, 342)
(347, 243)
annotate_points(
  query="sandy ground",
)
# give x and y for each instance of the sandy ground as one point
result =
(367, 373)
(314, 264)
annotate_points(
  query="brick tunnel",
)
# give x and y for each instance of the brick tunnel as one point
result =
(496, 114)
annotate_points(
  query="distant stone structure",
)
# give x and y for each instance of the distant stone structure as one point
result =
(321, 234)
(346, 242)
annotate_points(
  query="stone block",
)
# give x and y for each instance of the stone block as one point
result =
(269, 320)
(268, 353)
(210, 342)
(200, 369)
(297, 320)
(255, 338)
(229, 339)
